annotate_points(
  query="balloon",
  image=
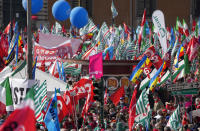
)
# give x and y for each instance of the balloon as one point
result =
(61, 10)
(79, 17)
(36, 5)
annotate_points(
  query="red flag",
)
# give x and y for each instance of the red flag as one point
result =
(42, 67)
(68, 102)
(106, 97)
(20, 120)
(142, 28)
(149, 53)
(88, 101)
(192, 49)
(193, 25)
(115, 97)
(62, 107)
(4, 46)
(132, 110)
(7, 29)
(63, 29)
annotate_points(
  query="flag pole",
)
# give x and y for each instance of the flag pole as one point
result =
(131, 18)
(29, 42)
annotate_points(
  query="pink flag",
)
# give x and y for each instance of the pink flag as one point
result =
(96, 66)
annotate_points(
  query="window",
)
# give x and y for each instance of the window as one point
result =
(150, 6)
(87, 4)
(196, 9)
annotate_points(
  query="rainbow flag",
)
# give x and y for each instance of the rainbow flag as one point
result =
(179, 54)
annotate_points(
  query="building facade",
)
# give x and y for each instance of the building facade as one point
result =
(100, 11)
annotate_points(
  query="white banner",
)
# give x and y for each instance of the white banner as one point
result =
(19, 88)
(159, 23)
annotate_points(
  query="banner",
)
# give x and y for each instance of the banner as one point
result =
(19, 88)
(159, 23)
(51, 46)
(96, 66)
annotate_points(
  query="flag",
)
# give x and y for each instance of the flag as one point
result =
(62, 108)
(115, 97)
(155, 78)
(177, 72)
(34, 68)
(40, 100)
(22, 118)
(58, 69)
(179, 26)
(67, 99)
(63, 73)
(192, 49)
(142, 28)
(51, 117)
(113, 10)
(88, 101)
(7, 29)
(106, 97)
(53, 70)
(142, 106)
(96, 66)
(174, 120)
(139, 69)
(132, 110)
(179, 54)
(92, 51)
(185, 28)
(6, 103)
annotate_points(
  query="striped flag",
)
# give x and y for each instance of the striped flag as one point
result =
(142, 28)
(103, 36)
(40, 100)
(138, 69)
(174, 120)
(89, 28)
(113, 10)
(155, 78)
(142, 106)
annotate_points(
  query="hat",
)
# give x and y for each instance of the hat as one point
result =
(121, 98)
(164, 110)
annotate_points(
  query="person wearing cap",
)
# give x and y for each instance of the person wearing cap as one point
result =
(122, 102)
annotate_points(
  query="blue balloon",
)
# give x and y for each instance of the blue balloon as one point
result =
(36, 5)
(79, 17)
(61, 10)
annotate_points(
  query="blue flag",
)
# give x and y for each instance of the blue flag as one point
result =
(63, 73)
(51, 117)
(59, 72)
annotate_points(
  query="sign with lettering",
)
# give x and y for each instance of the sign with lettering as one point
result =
(19, 88)
(159, 23)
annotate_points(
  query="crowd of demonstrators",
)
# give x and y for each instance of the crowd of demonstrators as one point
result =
(116, 117)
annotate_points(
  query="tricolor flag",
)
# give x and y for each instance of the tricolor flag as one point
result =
(179, 26)
(142, 28)
(6, 103)
(23, 118)
(185, 28)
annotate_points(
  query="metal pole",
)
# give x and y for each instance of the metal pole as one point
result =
(29, 42)
(131, 18)
(102, 104)
(11, 26)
